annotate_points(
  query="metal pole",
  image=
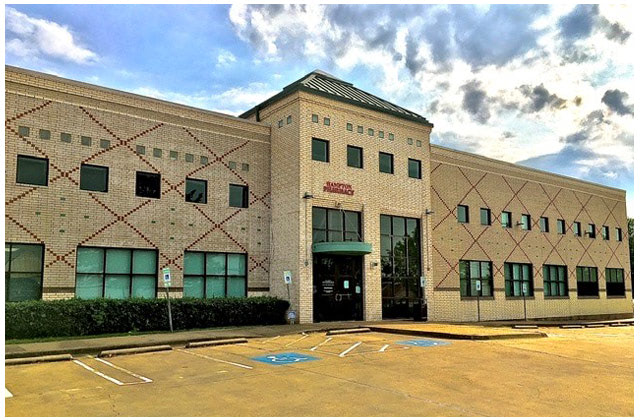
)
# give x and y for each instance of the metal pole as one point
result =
(169, 306)
(289, 296)
(478, 305)
(524, 300)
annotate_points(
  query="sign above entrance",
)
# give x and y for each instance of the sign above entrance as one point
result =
(338, 188)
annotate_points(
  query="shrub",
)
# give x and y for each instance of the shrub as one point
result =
(78, 317)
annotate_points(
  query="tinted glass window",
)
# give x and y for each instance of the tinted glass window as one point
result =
(386, 163)
(354, 157)
(23, 271)
(463, 214)
(320, 150)
(415, 169)
(485, 217)
(94, 178)
(32, 170)
(147, 185)
(238, 196)
(196, 191)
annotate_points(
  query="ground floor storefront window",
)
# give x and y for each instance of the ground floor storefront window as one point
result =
(214, 274)
(23, 271)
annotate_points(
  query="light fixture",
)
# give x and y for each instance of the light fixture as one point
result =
(428, 212)
(307, 195)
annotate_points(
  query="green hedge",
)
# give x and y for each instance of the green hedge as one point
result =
(77, 317)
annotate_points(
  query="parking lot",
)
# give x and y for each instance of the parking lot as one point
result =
(585, 372)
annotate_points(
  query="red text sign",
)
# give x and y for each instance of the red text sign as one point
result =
(337, 187)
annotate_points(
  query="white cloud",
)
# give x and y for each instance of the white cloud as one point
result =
(225, 58)
(29, 37)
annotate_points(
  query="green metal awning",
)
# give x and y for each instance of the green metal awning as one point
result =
(342, 248)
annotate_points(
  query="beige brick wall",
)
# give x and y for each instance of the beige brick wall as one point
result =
(62, 216)
(475, 181)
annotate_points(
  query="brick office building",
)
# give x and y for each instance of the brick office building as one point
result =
(339, 187)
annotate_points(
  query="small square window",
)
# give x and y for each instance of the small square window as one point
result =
(23, 131)
(327, 121)
(525, 222)
(463, 213)
(238, 196)
(354, 156)
(381, 134)
(105, 144)
(245, 167)
(419, 143)
(577, 229)
(544, 224)
(173, 155)
(370, 131)
(188, 157)
(314, 118)
(85, 141)
(386, 163)
(45, 134)
(618, 234)
(94, 178)
(485, 217)
(360, 129)
(140, 149)
(415, 169)
(505, 219)
(32, 170)
(204, 160)
(289, 119)
(591, 231)
(349, 127)
(409, 141)
(280, 124)
(147, 185)
(320, 150)
(65, 137)
(196, 191)
(157, 152)
(391, 136)
(605, 233)
(560, 226)
(232, 165)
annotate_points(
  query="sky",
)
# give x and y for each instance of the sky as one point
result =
(545, 86)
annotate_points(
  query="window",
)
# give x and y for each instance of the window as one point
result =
(561, 227)
(555, 280)
(141, 150)
(188, 157)
(360, 129)
(238, 196)
(289, 119)
(419, 143)
(94, 178)
(157, 153)
(314, 118)
(409, 141)
(577, 229)
(173, 155)
(349, 127)
(32, 170)
(280, 123)
(518, 279)
(618, 234)
(214, 274)
(332, 225)
(386, 163)
(391, 136)
(544, 224)
(116, 273)
(23, 271)
(23, 131)
(65, 137)
(525, 222)
(605, 233)
(245, 167)
(327, 121)
(400, 260)
(463, 214)
(85, 141)
(470, 273)
(45, 134)
(591, 231)
(354, 156)
(147, 185)
(381, 134)
(485, 217)
(105, 144)
(370, 131)
(320, 150)
(415, 169)
(196, 191)
(615, 281)
(505, 219)
(587, 281)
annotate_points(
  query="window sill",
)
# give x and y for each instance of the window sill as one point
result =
(617, 297)
(475, 298)
(556, 297)
(519, 298)
(589, 297)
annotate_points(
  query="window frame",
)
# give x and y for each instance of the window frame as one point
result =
(577, 226)
(606, 234)
(509, 286)
(245, 196)
(315, 140)
(104, 269)
(544, 227)
(99, 167)
(419, 163)
(584, 287)
(33, 158)
(488, 213)
(159, 176)
(465, 210)
(8, 272)
(591, 231)
(326, 231)
(509, 223)
(561, 222)
(360, 151)
(226, 273)
(470, 286)
(206, 190)
(613, 291)
(546, 276)
(525, 221)
(380, 155)
(619, 235)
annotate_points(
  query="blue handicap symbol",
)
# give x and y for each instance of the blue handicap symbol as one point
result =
(284, 358)
(424, 343)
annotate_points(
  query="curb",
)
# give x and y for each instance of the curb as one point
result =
(38, 359)
(348, 331)
(133, 350)
(525, 327)
(454, 336)
(571, 327)
(219, 342)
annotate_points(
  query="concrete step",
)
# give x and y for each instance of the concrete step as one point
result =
(349, 331)
(219, 342)
(134, 350)
(38, 359)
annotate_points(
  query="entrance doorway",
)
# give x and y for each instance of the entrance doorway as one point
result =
(337, 288)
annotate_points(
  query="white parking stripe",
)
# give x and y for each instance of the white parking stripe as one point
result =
(344, 353)
(216, 360)
(272, 338)
(295, 341)
(383, 348)
(147, 380)
(90, 369)
(7, 394)
(325, 341)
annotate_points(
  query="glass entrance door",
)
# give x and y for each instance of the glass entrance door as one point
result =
(337, 288)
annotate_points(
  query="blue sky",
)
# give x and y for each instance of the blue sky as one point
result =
(548, 86)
